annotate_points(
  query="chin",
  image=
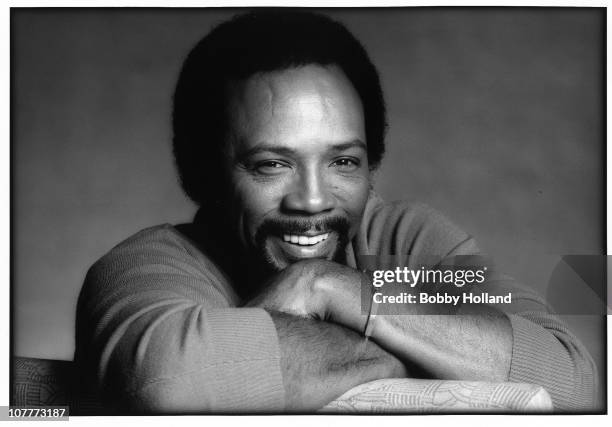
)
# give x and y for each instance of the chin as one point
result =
(276, 262)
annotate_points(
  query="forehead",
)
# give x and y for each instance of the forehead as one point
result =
(297, 106)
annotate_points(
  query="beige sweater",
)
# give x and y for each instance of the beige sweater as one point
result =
(159, 328)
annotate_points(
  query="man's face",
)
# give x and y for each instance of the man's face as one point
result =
(298, 163)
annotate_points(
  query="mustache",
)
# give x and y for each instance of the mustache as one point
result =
(280, 226)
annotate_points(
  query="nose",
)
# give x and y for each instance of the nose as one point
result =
(310, 194)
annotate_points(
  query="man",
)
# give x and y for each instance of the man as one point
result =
(279, 123)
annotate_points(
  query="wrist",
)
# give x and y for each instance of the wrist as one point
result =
(343, 299)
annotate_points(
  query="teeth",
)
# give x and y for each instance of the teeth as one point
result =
(305, 240)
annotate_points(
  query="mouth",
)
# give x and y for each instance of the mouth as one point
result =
(304, 240)
(283, 241)
(295, 247)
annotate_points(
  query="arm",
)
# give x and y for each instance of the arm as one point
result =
(320, 361)
(543, 351)
(157, 332)
(523, 343)
(473, 345)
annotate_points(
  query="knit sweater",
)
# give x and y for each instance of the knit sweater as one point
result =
(159, 327)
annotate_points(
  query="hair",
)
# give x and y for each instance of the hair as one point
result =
(261, 41)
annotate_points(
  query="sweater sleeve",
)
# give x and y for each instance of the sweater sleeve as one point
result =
(544, 351)
(157, 326)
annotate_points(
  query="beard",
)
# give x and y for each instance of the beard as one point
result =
(338, 225)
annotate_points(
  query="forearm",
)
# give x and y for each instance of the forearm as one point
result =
(320, 361)
(475, 345)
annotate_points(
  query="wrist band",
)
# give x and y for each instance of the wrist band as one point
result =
(369, 326)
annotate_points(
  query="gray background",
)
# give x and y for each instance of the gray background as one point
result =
(496, 120)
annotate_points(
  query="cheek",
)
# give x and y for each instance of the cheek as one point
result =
(353, 194)
(252, 201)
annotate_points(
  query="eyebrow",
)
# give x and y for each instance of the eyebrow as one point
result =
(286, 151)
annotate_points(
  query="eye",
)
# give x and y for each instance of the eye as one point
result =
(270, 167)
(346, 164)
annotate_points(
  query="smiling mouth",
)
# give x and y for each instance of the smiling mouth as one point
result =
(302, 240)
(295, 247)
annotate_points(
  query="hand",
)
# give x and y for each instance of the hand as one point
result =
(342, 289)
(318, 289)
(295, 291)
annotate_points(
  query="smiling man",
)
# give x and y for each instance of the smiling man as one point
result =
(279, 122)
(298, 163)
